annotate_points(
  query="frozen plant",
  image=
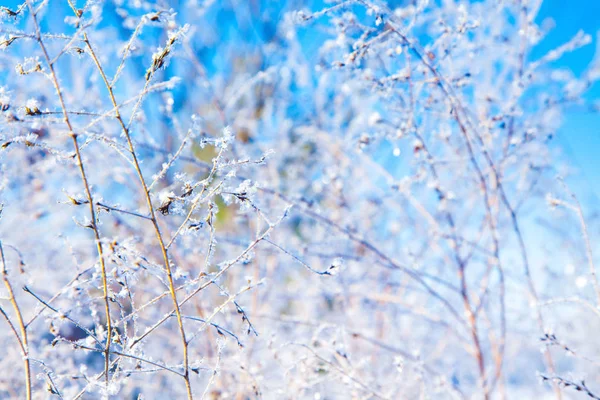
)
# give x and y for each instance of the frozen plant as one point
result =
(295, 199)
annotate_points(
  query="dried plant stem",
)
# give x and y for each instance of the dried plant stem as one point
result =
(195, 292)
(86, 185)
(358, 382)
(588, 251)
(207, 283)
(62, 315)
(462, 123)
(214, 372)
(576, 207)
(134, 357)
(462, 264)
(22, 339)
(163, 249)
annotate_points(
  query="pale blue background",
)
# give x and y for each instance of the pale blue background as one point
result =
(579, 137)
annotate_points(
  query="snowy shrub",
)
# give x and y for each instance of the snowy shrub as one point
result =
(288, 200)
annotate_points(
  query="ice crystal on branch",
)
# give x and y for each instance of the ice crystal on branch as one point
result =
(383, 164)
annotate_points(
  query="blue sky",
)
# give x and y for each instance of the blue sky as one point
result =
(579, 136)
